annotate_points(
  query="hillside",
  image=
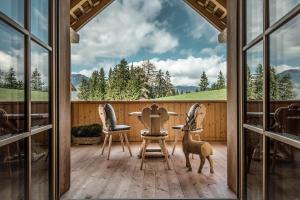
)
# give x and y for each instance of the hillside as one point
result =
(185, 88)
(76, 79)
(295, 76)
(18, 95)
(206, 95)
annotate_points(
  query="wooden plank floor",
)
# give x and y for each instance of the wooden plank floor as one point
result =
(94, 177)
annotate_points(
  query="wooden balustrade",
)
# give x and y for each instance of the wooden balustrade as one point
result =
(215, 123)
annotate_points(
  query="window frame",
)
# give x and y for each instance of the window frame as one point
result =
(51, 127)
(264, 131)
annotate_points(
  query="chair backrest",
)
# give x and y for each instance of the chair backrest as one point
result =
(107, 116)
(288, 119)
(196, 111)
(154, 119)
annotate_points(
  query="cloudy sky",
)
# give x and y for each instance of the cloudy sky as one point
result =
(169, 33)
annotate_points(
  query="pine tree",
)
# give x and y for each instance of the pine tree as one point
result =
(1, 78)
(10, 79)
(203, 82)
(273, 84)
(150, 72)
(36, 80)
(250, 85)
(286, 88)
(214, 86)
(220, 81)
(94, 86)
(259, 78)
(169, 88)
(118, 81)
(159, 89)
(102, 84)
(84, 90)
(109, 73)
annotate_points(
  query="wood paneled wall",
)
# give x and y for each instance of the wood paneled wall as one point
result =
(215, 127)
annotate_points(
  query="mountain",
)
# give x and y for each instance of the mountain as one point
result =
(295, 75)
(186, 88)
(77, 78)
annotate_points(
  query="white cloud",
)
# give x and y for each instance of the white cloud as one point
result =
(14, 59)
(199, 28)
(122, 30)
(6, 61)
(187, 71)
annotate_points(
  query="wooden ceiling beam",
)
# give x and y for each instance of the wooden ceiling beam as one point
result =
(222, 3)
(86, 17)
(82, 17)
(74, 3)
(214, 20)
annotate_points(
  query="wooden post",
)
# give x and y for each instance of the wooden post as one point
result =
(64, 104)
(232, 95)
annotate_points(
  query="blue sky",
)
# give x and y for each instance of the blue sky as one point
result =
(168, 33)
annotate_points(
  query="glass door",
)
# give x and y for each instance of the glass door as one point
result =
(26, 100)
(270, 99)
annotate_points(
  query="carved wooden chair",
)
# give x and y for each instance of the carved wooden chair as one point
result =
(196, 113)
(110, 128)
(287, 121)
(153, 119)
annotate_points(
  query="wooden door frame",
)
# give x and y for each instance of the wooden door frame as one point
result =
(64, 104)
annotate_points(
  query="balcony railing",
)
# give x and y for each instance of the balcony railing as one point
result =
(215, 122)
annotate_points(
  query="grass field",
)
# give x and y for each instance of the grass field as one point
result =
(206, 95)
(18, 95)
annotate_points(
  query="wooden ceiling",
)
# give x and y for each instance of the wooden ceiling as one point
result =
(82, 11)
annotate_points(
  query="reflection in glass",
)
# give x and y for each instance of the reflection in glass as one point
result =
(13, 9)
(284, 171)
(12, 171)
(39, 85)
(279, 8)
(40, 19)
(285, 80)
(254, 18)
(254, 85)
(253, 164)
(11, 81)
(40, 163)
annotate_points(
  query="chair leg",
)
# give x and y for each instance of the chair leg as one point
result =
(127, 143)
(141, 149)
(104, 144)
(109, 146)
(122, 141)
(165, 152)
(175, 141)
(144, 147)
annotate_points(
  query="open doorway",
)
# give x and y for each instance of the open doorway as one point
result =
(195, 76)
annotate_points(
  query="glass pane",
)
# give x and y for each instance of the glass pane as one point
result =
(12, 171)
(13, 9)
(254, 18)
(40, 162)
(12, 105)
(285, 80)
(39, 85)
(253, 164)
(279, 8)
(284, 171)
(40, 19)
(254, 85)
